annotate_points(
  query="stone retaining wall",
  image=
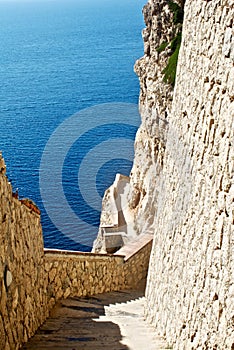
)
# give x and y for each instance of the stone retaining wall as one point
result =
(136, 266)
(23, 288)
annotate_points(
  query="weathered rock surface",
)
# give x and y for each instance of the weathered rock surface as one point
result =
(155, 104)
(116, 223)
(182, 181)
(191, 275)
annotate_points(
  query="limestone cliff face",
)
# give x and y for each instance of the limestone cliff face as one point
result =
(139, 197)
(191, 276)
(187, 186)
(155, 105)
(181, 186)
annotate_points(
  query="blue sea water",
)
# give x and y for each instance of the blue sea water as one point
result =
(59, 58)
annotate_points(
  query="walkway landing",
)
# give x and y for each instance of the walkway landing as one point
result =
(110, 321)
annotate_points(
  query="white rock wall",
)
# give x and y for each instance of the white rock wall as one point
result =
(190, 290)
(155, 105)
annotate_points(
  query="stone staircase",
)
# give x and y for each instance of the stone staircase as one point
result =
(107, 321)
(136, 333)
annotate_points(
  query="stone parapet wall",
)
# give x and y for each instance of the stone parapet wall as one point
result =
(80, 274)
(137, 261)
(83, 274)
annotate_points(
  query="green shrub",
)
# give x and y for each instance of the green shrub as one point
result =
(176, 42)
(178, 12)
(162, 47)
(170, 70)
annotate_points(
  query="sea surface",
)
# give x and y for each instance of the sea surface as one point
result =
(60, 59)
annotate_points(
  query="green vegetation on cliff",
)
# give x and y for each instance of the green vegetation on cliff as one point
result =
(170, 69)
(178, 12)
(162, 47)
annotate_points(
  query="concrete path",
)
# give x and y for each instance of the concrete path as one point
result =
(110, 321)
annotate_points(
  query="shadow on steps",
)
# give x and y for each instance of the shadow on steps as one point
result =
(71, 325)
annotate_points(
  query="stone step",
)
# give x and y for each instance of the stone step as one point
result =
(135, 331)
(108, 321)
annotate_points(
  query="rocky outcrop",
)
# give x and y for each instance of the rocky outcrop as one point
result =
(116, 223)
(155, 105)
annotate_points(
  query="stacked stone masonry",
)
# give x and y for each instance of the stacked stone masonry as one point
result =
(23, 287)
(32, 279)
(83, 274)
